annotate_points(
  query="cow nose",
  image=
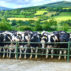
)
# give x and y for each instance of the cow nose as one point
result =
(48, 46)
(42, 41)
(17, 40)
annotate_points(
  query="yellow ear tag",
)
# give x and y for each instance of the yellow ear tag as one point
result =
(45, 37)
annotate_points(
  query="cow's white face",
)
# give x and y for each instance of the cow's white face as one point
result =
(20, 35)
(14, 38)
(51, 38)
(43, 41)
(23, 37)
(27, 37)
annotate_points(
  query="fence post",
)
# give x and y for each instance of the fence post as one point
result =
(68, 53)
(16, 50)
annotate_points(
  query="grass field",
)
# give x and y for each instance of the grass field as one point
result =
(67, 8)
(50, 13)
(17, 16)
(40, 12)
(23, 19)
(64, 16)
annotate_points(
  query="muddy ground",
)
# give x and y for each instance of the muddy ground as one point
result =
(33, 65)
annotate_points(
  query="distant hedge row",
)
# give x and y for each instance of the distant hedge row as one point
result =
(50, 25)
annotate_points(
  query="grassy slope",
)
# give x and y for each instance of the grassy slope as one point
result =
(63, 16)
(40, 12)
(23, 19)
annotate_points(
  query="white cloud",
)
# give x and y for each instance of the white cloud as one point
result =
(26, 0)
(18, 6)
(3, 3)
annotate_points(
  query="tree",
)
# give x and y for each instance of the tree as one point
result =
(4, 25)
(50, 25)
(38, 26)
(63, 26)
(13, 23)
(23, 28)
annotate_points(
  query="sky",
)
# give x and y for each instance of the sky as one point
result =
(25, 3)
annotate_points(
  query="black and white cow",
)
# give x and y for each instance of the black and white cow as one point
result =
(25, 38)
(62, 37)
(35, 43)
(47, 41)
(8, 40)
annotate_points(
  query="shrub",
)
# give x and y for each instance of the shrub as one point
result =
(23, 28)
(4, 25)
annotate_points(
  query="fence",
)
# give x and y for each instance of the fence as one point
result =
(36, 52)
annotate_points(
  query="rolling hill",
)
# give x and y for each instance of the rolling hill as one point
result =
(59, 11)
(55, 5)
(58, 4)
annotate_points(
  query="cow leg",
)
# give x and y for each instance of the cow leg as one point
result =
(9, 53)
(0, 52)
(25, 53)
(15, 53)
(3, 52)
(31, 52)
(65, 54)
(0, 49)
(47, 51)
(20, 53)
(36, 52)
(52, 51)
(43, 46)
(60, 53)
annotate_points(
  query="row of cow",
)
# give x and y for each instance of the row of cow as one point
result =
(37, 39)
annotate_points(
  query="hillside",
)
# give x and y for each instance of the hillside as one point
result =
(66, 4)
(52, 10)
(58, 4)
(30, 11)
(47, 17)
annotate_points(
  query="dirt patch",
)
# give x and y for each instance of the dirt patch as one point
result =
(31, 65)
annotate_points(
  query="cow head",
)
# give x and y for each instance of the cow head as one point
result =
(8, 37)
(49, 38)
(63, 36)
(27, 37)
(43, 39)
(35, 38)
